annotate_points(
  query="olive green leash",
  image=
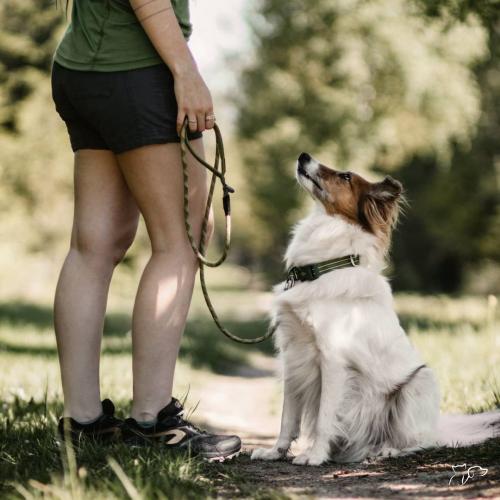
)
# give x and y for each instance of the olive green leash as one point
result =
(218, 170)
(308, 272)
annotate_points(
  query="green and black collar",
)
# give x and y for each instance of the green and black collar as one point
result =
(311, 272)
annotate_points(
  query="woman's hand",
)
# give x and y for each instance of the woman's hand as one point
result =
(193, 100)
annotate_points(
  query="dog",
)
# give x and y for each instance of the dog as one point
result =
(353, 382)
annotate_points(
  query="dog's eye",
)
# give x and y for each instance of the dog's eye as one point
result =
(345, 176)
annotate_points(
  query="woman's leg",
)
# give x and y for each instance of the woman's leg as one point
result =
(154, 175)
(104, 226)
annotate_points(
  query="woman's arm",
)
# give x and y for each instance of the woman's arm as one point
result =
(193, 97)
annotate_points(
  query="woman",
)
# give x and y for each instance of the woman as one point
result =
(124, 80)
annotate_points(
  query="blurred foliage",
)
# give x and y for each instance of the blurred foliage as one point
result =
(366, 86)
(27, 42)
(385, 85)
(35, 188)
(487, 10)
(453, 225)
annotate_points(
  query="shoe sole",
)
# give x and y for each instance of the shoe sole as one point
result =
(221, 459)
(216, 458)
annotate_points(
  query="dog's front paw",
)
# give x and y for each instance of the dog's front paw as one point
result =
(302, 459)
(311, 458)
(266, 454)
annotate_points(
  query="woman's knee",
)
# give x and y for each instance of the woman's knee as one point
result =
(110, 246)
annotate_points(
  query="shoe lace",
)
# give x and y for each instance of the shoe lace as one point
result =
(189, 425)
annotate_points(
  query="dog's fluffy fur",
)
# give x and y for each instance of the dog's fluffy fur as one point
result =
(353, 382)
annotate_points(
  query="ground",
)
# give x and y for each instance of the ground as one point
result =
(232, 389)
(422, 475)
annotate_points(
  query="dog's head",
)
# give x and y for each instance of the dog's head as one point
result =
(372, 206)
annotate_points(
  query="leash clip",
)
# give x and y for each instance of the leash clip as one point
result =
(291, 278)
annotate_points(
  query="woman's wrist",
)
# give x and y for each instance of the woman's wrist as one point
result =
(183, 67)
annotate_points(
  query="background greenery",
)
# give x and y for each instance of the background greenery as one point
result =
(406, 87)
(410, 88)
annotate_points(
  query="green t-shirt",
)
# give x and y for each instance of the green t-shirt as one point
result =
(105, 35)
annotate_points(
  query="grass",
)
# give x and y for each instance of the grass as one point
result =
(32, 464)
(458, 337)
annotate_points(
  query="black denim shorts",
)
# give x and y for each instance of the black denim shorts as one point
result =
(118, 110)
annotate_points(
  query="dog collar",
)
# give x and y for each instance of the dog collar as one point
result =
(311, 272)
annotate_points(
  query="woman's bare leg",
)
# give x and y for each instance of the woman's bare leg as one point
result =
(154, 175)
(104, 226)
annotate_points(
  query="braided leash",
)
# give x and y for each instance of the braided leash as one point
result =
(199, 250)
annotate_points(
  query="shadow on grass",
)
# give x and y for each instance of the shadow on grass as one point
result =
(118, 324)
(203, 346)
(18, 313)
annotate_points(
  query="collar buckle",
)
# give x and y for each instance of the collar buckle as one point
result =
(307, 273)
(311, 272)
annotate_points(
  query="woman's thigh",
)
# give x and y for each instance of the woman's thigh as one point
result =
(105, 212)
(154, 176)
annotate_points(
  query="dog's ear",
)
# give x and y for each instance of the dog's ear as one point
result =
(388, 190)
(379, 207)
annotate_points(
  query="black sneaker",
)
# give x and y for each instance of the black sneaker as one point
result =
(105, 429)
(173, 432)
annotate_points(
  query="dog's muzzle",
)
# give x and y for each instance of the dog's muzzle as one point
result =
(302, 162)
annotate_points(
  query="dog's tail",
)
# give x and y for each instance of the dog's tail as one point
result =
(465, 430)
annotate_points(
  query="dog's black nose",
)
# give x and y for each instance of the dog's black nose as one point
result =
(304, 158)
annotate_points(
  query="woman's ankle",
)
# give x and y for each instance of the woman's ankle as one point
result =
(84, 414)
(148, 414)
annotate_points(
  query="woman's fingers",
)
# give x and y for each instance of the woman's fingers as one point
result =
(196, 121)
(201, 121)
(181, 116)
(209, 119)
(192, 121)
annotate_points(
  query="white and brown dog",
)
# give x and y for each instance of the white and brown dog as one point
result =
(353, 382)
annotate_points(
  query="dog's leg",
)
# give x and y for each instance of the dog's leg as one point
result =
(333, 377)
(290, 426)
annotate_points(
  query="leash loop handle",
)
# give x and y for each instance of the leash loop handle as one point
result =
(199, 249)
(216, 174)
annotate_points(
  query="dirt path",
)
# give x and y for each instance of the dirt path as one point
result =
(249, 399)
(249, 404)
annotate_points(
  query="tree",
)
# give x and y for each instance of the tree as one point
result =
(28, 38)
(452, 231)
(355, 83)
(35, 164)
(487, 10)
